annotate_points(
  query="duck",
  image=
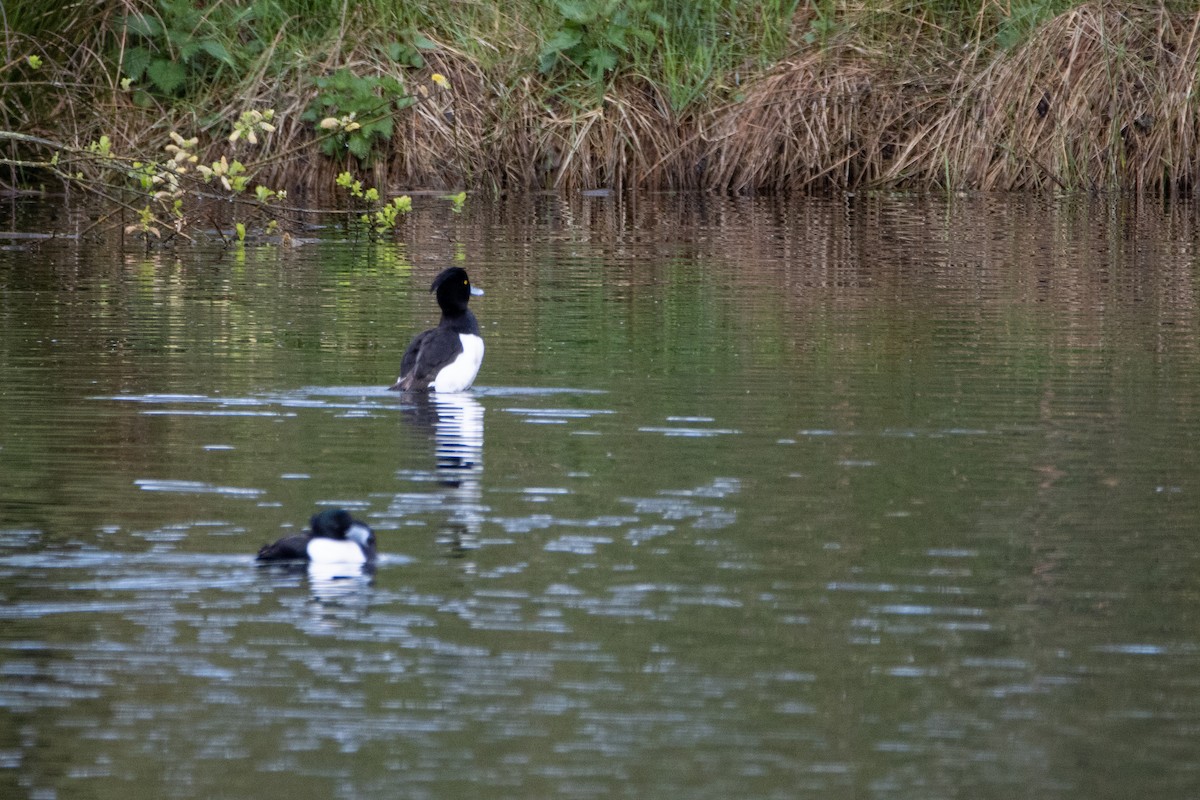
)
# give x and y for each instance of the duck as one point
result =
(445, 358)
(333, 537)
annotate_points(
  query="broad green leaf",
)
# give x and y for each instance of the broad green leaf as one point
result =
(360, 147)
(576, 12)
(564, 39)
(602, 60)
(217, 51)
(143, 25)
(136, 61)
(381, 128)
(166, 75)
(646, 35)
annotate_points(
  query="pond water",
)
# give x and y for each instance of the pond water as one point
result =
(883, 497)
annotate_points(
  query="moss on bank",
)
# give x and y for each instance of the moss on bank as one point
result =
(658, 94)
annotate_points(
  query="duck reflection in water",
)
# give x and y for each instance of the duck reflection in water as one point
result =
(456, 424)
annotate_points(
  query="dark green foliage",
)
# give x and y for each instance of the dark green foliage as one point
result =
(371, 100)
(687, 47)
(181, 44)
(1025, 17)
(597, 35)
(408, 53)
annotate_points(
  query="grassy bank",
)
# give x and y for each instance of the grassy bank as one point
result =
(715, 95)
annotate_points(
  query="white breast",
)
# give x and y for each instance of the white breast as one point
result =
(335, 551)
(460, 374)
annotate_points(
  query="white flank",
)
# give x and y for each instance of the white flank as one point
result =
(335, 551)
(460, 374)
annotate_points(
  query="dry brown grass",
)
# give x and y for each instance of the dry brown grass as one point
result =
(1102, 97)
(822, 120)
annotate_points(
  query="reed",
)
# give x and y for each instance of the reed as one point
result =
(1100, 97)
(661, 94)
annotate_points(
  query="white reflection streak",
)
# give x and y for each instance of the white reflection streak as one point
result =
(458, 444)
(333, 583)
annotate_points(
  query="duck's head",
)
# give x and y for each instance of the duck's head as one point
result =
(336, 523)
(454, 290)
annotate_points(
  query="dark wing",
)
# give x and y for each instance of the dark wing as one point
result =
(289, 547)
(427, 354)
(409, 362)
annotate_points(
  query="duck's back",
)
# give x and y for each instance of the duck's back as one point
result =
(289, 547)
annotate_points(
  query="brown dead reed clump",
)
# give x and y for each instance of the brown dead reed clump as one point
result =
(832, 119)
(1101, 97)
(484, 133)
(631, 139)
(514, 137)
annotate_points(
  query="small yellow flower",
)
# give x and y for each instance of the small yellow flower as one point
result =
(440, 80)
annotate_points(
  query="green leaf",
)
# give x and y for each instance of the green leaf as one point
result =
(217, 51)
(576, 12)
(143, 25)
(564, 39)
(381, 129)
(360, 147)
(646, 35)
(136, 61)
(602, 60)
(187, 50)
(391, 86)
(166, 75)
(421, 43)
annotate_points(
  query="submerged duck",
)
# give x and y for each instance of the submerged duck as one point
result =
(333, 537)
(445, 358)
